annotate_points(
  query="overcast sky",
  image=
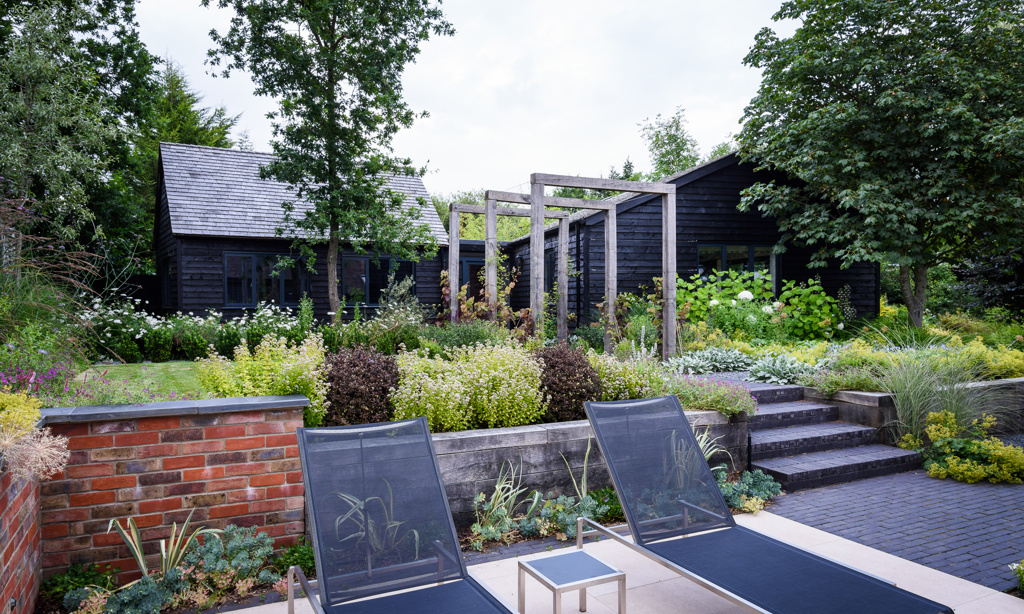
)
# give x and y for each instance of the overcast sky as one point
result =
(552, 86)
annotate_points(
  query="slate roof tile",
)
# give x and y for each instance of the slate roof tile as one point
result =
(216, 191)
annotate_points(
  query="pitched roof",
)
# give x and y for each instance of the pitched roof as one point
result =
(213, 191)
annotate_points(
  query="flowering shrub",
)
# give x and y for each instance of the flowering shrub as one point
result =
(701, 394)
(624, 380)
(482, 386)
(721, 289)
(274, 368)
(568, 381)
(359, 383)
(100, 390)
(812, 313)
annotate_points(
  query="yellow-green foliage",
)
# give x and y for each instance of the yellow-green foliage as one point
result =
(274, 368)
(885, 310)
(699, 336)
(482, 386)
(994, 362)
(19, 413)
(624, 380)
(807, 354)
(859, 353)
(957, 452)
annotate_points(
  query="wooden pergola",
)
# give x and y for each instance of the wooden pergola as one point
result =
(537, 214)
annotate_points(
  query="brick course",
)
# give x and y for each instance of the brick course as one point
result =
(20, 536)
(226, 468)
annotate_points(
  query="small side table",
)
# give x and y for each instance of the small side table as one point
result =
(569, 572)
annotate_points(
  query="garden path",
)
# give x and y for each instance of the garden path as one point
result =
(972, 531)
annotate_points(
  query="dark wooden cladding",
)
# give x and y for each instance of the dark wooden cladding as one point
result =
(706, 213)
(202, 274)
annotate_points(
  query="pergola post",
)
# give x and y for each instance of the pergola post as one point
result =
(537, 256)
(668, 283)
(563, 279)
(453, 261)
(611, 276)
(491, 256)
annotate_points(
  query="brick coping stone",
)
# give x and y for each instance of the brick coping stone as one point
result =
(96, 413)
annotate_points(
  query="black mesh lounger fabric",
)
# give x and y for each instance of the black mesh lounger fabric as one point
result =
(380, 520)
(782, 578)
(459, 597)
(667, 490)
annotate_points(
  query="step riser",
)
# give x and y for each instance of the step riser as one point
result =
(778, 394)
(803, 482)
(803, 446)
(796, 417)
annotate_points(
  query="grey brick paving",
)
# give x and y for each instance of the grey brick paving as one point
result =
(972, 531)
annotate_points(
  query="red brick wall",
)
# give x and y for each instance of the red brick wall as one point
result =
(228, 468)
(19, 543)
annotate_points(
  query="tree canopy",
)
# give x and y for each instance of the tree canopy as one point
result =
(903, 121)
(336, 67)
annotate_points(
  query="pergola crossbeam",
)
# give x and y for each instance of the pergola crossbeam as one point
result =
(549, 201)
(597, 183)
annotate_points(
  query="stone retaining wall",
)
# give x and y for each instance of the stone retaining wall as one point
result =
(19, 543)
(226, 461)
(471, 460)
(876, 409)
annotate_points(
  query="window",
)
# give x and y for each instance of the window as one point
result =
(362, 281)
(249, 279)
(751, 258)
(470, 272)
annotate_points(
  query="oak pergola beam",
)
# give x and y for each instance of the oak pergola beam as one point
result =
(549, 201)
(537, 200)
(490, 211)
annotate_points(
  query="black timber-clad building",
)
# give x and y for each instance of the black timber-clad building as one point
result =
(216, 239)
(712, 234)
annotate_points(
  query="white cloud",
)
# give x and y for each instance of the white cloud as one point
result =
(532, 85)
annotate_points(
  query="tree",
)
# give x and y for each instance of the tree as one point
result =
(903, 121)
(336, 67)
(672, 148)
(51, 118)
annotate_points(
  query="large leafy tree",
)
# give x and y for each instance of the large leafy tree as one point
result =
(904, 121)
(336, 67)
(51, 118)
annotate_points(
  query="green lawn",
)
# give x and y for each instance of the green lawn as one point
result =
(162, 378)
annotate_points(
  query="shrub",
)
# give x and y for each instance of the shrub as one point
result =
(610, 499)
(961, 453)
(750, 491)
(19, 413)
(831, 381)
(710, 360)
(78, 576)
(359, 383)
(274, 368)
(462, 334)
(240, 550)
(483, 386)
(700, 394)
(624, 380)
(1018, 570)
(567, 381)
(719, 288)
(159, 342)
(299, 555)
(782, 370)
(811, 313)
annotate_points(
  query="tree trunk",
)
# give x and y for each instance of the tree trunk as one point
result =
(915, 291)
(332, 272)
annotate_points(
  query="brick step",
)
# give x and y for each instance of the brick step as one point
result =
(790, 440)
(834, 466)
(793, 413)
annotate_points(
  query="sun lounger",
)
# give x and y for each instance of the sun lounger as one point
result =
(380, 523)
(677, 517)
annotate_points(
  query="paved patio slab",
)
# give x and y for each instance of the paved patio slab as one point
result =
(653, 589)
(971, 531)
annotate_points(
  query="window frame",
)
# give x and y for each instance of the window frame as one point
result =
(366, 284)
(278, 299)
(722, 257)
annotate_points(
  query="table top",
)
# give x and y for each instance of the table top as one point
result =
(576, 566)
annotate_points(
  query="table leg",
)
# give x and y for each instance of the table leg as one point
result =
(558, 602)
(622, 595)
(583, 599)
(522, 591)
